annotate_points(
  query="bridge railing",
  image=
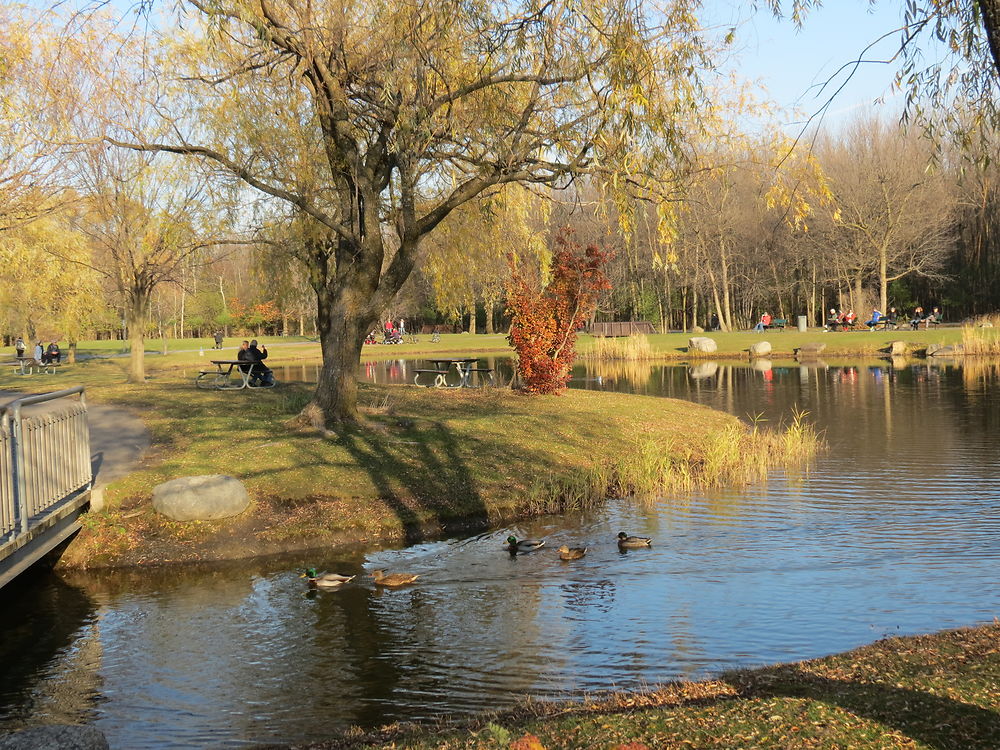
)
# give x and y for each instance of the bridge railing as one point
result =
(44, 458)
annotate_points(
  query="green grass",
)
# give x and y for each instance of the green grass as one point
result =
(422, 461)
(933, 692)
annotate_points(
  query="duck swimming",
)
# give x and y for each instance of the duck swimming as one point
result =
(525, 545)
(571, 553)
(325, 580)
(633, 542)
(393, 579)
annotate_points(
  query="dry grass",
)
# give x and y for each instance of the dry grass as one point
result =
(982, 337)
(631, 348)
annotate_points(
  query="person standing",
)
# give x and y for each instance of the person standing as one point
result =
(218, 339)
(19, 347)
(39, 353)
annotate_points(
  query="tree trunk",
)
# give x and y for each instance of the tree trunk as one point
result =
(883, 282)
(488, 305)
(342, 333)
(71, 358)
(136, 323)
(302, 325)
(472, 318)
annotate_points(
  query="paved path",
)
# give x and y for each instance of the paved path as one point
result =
(118, 439)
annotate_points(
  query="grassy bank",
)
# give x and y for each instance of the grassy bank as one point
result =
(423, 461)
(936, 691)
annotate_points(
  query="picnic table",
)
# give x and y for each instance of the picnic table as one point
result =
(220, 378)
(464, 366)
(25, 366)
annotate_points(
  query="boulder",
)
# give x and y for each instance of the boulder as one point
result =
(809, 351)
(202, 498)
(703, 370)
(760, 349)
(936, 350)
(697, 329)
(897, 348)
(702, 344)
(61, 736)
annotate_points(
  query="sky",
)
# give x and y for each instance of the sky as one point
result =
(791, 64)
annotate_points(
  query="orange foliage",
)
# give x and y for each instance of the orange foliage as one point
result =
(545, 321)
(528, 742)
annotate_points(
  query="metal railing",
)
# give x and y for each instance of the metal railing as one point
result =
(44, 459)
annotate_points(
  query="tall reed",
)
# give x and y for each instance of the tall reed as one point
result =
(983, 337)
(635, 347)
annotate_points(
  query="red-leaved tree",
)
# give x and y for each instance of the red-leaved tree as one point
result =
(545, 321)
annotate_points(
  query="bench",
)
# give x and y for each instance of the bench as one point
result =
(27, 368)
(778, 323)
(483, 371)
(884, 324)
(439, 378)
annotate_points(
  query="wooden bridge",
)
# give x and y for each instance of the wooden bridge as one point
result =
(45, 476)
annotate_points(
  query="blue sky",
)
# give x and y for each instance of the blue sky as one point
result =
(790, 63)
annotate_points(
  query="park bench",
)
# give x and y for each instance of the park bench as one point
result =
(30, 366)
(778, 323)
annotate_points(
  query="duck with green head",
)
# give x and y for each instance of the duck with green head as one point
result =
(525, 545)
(324, 580)
(626, 541)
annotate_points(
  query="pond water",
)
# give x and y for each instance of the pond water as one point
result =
(894, 530)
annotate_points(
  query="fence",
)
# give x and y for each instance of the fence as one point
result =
(44, 459)
(625, 328)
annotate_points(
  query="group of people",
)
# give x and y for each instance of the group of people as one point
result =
(837, 321)
(392, 333)
(260, 374)
(42, 355)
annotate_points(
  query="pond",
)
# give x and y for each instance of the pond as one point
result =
(894, 530)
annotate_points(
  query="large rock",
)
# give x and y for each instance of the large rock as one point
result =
(55, 737)
(897, 348)
(703, 370)
(697, 329)
(760, 349)
(702, 344)
(203, 498)
(936, 350)
(809, 351)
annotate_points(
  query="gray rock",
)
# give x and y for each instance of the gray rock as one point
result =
(203, 498)
(55, 737)
(702, 344)
(697, 329)
(809, 350)
(897, 348)
(760, 349)
(703, 370)
(936, 350)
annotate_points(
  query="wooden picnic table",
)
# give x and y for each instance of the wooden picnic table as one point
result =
(221, 377)
(25, 365)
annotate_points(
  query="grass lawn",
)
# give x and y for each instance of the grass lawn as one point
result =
(919, 693)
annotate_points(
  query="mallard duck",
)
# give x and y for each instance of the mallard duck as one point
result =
(325, 580)
(633, 542)
(525, 545)
(571, 553)
(393, 579)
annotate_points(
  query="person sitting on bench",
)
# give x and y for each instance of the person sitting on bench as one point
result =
(918, 316)
(934, 318)
(833, 320)
(876, 317)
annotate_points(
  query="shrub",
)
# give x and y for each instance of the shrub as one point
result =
(545, 318)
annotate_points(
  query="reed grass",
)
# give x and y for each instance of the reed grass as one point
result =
(632, 348)
(982, 337)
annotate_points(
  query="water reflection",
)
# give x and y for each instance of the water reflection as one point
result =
(894, 530)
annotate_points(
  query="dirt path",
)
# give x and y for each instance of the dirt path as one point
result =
(118, 439)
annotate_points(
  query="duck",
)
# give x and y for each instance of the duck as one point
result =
(633, 542)
(525, 545)
(571, 553)
(393, 579)
(325, 580)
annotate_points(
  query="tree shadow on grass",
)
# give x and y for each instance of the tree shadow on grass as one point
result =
(934, 720)
(422, 477)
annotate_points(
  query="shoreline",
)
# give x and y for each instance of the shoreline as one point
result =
(934, 690)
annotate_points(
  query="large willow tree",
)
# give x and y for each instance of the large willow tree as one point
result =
(375, 119)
